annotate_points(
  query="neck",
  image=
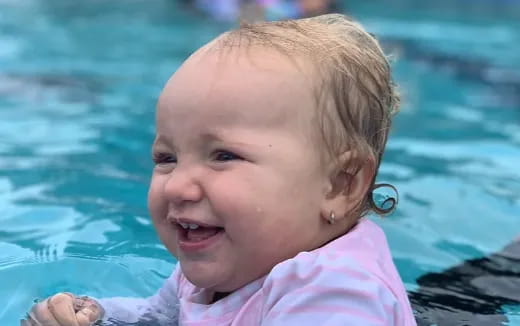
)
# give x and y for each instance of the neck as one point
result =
(219, 295)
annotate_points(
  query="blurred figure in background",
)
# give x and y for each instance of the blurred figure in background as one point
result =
(254, 10)
(309, 8)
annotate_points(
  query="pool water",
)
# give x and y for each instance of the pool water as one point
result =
(78, 85)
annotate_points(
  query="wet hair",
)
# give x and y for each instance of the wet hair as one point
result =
(355, 94)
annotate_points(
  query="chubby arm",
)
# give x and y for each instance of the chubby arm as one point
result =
(159, 309)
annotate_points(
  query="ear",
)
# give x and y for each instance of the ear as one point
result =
(349, 181)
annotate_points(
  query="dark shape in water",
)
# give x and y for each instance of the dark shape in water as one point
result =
(471, 293)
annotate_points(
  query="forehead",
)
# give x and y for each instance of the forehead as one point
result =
(223, 87)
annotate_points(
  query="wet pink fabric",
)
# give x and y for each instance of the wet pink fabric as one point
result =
(350, 281)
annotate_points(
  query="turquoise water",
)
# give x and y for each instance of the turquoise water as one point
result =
(78, 84)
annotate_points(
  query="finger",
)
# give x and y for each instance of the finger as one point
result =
(26, 322)
(93, 307)
(82, 302)
(84, 319)
(62, 307)
(40, 315)
(90, 313)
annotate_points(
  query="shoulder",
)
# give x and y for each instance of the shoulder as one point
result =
(360, 255)
(348, 278)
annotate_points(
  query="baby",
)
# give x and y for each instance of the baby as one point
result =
(268, 141)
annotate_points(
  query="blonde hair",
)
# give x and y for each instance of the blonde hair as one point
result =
(356, 92)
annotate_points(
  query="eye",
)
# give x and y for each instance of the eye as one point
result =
(164, 158)
(224, 156)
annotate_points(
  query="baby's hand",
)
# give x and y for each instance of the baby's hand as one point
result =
(64, 309)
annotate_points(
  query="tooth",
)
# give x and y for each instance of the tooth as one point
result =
(184, 225)
(193, 226)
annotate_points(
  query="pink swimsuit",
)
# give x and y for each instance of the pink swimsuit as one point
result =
(350, 281)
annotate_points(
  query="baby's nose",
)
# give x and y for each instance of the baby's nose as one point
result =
(183, 186)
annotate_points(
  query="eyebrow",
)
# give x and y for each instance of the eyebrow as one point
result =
(161, 140)
(209, 136)
(215, 137)
(205, 137)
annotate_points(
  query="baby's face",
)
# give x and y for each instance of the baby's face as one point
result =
(238, 166)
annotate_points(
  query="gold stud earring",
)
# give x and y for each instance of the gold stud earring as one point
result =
(332, 217)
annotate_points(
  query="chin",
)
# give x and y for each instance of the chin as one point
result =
(210, 283)
(200, 277)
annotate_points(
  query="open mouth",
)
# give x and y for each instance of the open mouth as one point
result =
(193, 236)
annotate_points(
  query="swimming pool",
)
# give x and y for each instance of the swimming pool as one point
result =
(78, 84)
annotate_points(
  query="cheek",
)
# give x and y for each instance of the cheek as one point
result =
(250, 209)
(158, 208)
(157, 205)
(235, 200)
